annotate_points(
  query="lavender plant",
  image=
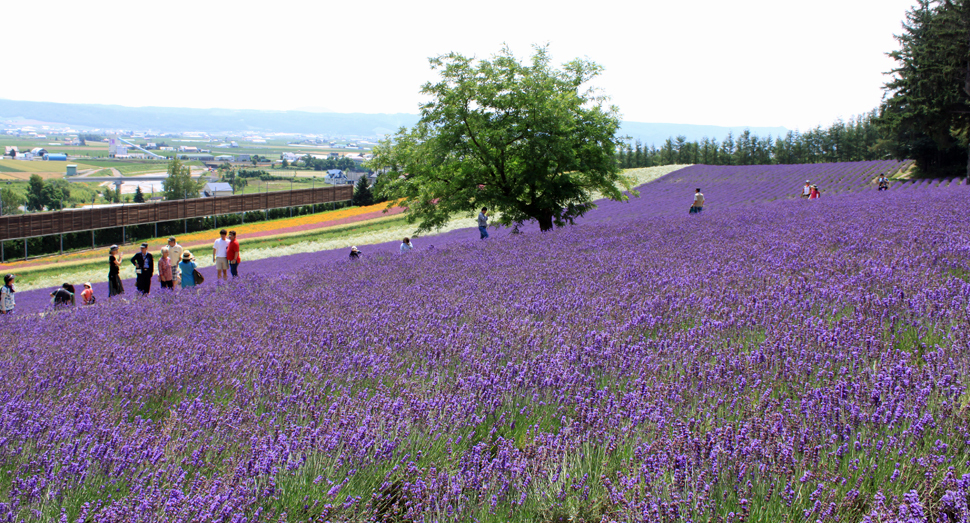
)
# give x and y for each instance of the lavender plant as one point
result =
(770, 360)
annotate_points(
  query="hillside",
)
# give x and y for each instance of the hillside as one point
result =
(773, 359)
(169, 119)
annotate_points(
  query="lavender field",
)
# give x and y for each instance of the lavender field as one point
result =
(771, 359)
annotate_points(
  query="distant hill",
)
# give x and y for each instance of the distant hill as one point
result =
(169, 119)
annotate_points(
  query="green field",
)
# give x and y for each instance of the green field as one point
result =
(13, 166)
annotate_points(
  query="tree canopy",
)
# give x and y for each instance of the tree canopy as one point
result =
(927, 109)
(530, 141)
(179, 183)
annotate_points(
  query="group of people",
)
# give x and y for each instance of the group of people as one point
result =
(810, 191)
(182, 273)
(407, 245)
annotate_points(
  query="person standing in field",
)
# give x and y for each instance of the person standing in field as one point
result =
(483, 223)
(698, 204)
(813, 195)
(406, 246)
(807, 190)
(232, 254)
(114, 272)
(7, 302)
(166, 280)
(187, 266)
(144, 264)
(219, 256)
(354, 253)
(87, 295)
(175, 255)
(883, 183)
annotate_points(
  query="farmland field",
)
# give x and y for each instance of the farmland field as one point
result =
(771, 359)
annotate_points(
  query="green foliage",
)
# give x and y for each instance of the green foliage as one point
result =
(527, 140)
(859, 139)
(10, 201)
(179, 183)
(286, 163)
(927, 113)
(139, 196)
(35, 190)
(362, 193)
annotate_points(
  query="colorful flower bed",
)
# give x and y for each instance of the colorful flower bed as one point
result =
(775, 360)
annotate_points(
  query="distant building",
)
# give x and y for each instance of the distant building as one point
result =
(10, 150)
(216, 189)
(335, 176)
(243, 158)
(225, 158)
(55, 157)
(199, 157)
(38, 151)
(188, 149)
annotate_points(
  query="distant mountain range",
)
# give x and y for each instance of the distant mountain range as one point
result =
(216, 121)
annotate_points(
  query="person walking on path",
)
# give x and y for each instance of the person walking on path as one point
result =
(807, 189)
(7, 302)
(219, 256)
(406, 246)
(698, 204)
(114, 272)
(144, 264)
(232, 254)
(87, 295)
(354, 253)
(166, 280)
(483, 223)
(175, 255)
(188, 266)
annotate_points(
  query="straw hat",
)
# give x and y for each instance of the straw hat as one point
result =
(187, 255)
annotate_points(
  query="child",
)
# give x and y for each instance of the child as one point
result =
(87, 295)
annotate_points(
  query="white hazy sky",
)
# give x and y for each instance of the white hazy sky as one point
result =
(716, 62)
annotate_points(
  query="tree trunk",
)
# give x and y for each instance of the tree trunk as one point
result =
(545, 221)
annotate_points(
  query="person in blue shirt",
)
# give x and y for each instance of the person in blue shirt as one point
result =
(188, 266)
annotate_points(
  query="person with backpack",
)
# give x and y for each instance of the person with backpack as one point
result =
(114, 272)
(188, 266)
(483, 223)
(87, 295)
(7, 302)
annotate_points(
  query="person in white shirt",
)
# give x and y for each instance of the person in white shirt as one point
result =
(807, 189)
(698, 204)
(175, 254)
(406, 245)
(219, 256)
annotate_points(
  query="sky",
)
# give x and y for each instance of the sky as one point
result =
(707, 62)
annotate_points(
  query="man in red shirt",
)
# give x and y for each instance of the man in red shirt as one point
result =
(232, 254)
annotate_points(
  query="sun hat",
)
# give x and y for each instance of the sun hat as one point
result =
(144, 246)
(187, 255)
(87, 284)
(171, 238)
(113, 248)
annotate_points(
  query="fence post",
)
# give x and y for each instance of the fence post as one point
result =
(3, 256)
(62, 243)
(25, 249)
(92, 238)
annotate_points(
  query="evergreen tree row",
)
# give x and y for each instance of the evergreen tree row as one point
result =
(859, 139)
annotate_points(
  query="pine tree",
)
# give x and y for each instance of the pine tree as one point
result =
(139, 196)
(362, 193)
(927, 114)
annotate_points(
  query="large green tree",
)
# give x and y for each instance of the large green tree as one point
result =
(179, 183)
(528, 140)
(927, 110)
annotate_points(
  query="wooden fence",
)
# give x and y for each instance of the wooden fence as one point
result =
(20, 226)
